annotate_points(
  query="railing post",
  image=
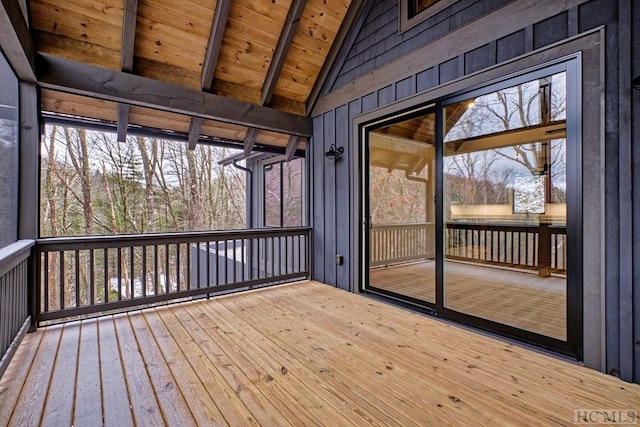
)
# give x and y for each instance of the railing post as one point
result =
(544, 250)
(33, 289)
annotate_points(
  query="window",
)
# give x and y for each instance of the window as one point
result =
(418, 6)
(283, 194)
(413, 12)
(9, 156)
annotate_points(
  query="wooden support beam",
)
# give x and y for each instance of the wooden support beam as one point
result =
(355, 9)
(126, 62)
(215, 42)
(29, 168)
(250, 140)
(210, 60)
(292, 146)
(88, 80)
(282, 49)
(194, 132)
(129, 34)
(16, 42)
(123, 122)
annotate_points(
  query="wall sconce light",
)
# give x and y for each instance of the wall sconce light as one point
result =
(334, 152)
(636, 83)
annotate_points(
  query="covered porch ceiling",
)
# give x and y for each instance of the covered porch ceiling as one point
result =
(240, 71)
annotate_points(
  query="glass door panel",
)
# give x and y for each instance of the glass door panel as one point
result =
(504, 206)
(401, 209)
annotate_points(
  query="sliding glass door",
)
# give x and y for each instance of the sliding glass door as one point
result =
(472, 207)
(401, 211)
(505, 206)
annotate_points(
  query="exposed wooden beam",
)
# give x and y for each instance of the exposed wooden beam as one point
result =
(15, 40)
(282, 49)
(355, 9)
(129, 34)
(215, 42)
(126, 61)
(123, 122)
(194, 132)
(292, 146)
(88, 80)
(210, 60)
(250, 140)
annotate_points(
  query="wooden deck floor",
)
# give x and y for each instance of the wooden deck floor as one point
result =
(301, 354)
(515, 298)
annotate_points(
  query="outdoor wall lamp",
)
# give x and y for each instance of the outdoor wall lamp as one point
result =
(334, 152)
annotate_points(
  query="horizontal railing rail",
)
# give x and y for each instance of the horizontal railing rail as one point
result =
(398, 243)
(14, 304)
(538, 247)
(80, 276)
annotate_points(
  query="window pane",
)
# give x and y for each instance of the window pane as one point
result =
(505, 207)
(418, 6)
(530, 104)
(402, 208)
(272, 195)
(9, 156)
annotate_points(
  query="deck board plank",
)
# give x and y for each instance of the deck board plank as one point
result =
(290, 406)
(367, 367)
(144, 404)
(115, 397)
(297, 354)
(264, 411)
(230, 405)
(204, 409)
(172, 402)
(406, 359)
(88, 404)
(546, 371)
(30, 404)
(11, 383)
(314, 392)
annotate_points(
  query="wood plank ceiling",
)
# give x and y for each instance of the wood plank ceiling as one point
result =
(266, 52)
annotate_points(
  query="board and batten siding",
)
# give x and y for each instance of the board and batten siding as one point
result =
(382, 67)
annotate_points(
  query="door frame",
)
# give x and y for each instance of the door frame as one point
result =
(569, 53)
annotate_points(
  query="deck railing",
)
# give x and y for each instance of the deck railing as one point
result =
(14, 305)
(397, 243)
(88, 275)
(542, 247)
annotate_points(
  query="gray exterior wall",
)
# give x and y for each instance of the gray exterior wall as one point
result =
(379, 42)
(364, 84)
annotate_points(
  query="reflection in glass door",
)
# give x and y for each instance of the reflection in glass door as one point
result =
(473, 207)
(401, 208)
(505, 206)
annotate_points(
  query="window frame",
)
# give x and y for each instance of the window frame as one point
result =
(303, 191)
(406, 22)
(572, 346)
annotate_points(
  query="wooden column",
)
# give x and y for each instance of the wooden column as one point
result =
(28, 202)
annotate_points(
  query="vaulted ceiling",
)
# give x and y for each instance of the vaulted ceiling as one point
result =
(267, 55)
